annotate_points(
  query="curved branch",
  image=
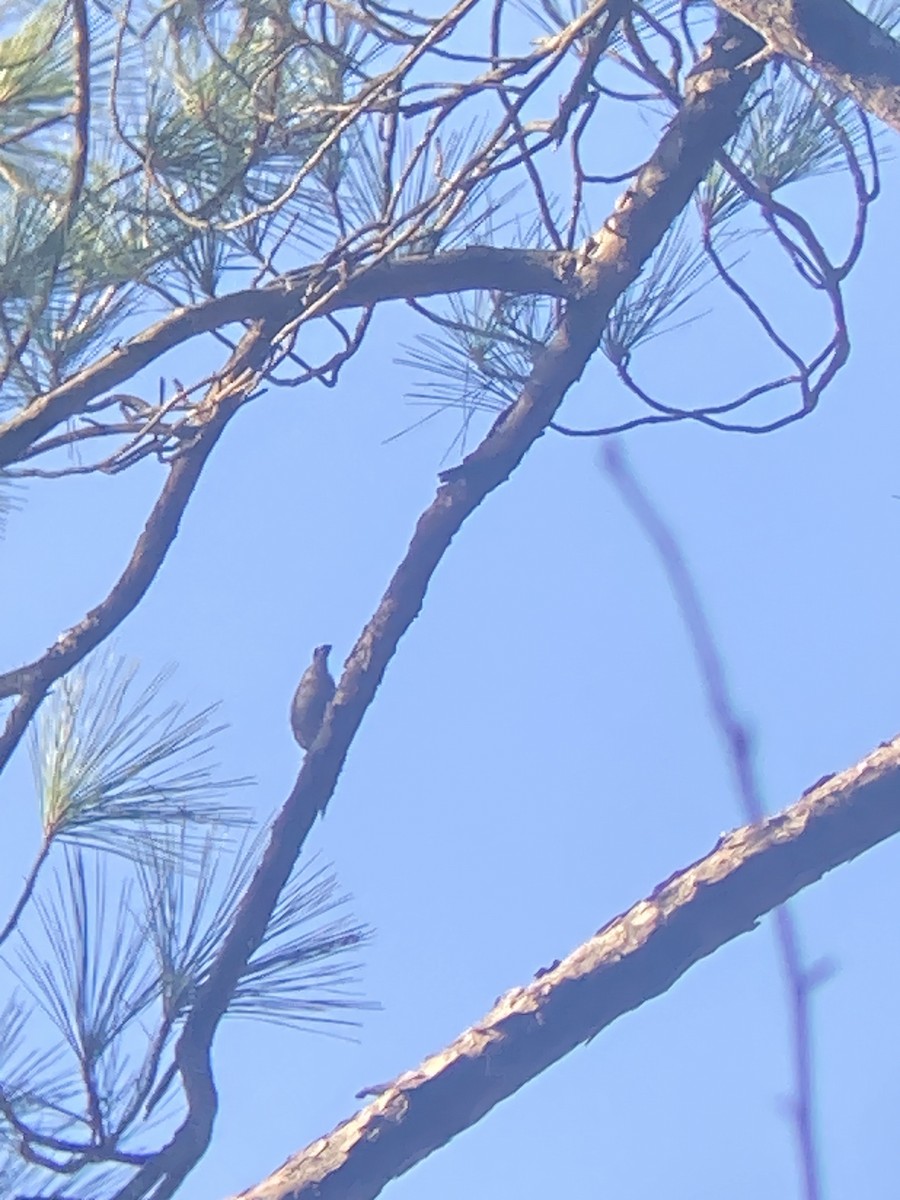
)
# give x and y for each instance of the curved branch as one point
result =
(32, 682)
(477, 267)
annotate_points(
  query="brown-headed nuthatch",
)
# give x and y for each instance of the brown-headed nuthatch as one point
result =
(314, 692)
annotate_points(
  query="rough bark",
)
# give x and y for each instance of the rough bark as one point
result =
(837, 41)
(636, 956)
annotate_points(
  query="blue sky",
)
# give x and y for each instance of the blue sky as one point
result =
(539, 756)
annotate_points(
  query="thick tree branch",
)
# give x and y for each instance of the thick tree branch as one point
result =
(835, 39)
(709, 116)
(636, 956)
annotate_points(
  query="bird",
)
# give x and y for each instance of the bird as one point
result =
(314, 693)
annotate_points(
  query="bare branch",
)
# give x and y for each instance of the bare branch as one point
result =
(636, 956)
(509, 269)
(223, 399)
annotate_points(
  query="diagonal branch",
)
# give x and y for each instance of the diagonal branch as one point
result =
(836, 40)
(636, 956)
(709, 116)
(223, 399)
